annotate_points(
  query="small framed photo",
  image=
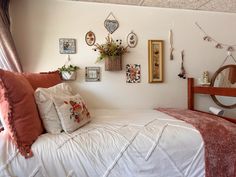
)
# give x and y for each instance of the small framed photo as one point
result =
(67, 46)
(132, 39)
(155, 61)
(133, 73)
(90, 38)
(92, 74)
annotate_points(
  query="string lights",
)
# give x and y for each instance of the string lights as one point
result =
(217, 44)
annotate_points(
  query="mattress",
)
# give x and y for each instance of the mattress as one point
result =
(116, 143)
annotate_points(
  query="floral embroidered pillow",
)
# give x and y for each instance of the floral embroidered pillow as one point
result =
(72, 112)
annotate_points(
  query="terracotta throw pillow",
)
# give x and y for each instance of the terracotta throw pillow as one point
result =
(47, 110)
(72, 112)
(43, 79)
(19, 111)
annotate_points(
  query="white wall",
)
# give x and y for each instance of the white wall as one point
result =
(37, 26)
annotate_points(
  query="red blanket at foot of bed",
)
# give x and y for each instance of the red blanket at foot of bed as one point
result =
(219, 137)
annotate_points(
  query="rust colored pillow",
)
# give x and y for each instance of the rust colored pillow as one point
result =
(44, 79)
(19, 111)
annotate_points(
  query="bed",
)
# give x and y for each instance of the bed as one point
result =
(117, 143)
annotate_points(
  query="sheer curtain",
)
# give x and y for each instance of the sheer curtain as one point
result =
(9, 59)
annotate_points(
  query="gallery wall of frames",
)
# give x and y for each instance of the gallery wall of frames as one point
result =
(157, 49)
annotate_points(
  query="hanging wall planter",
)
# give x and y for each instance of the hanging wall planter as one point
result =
(68, 73)
(66, 76)
(113, 63)
(112, 52)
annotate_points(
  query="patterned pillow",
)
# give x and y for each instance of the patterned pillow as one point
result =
(72, 112)
(47, 110)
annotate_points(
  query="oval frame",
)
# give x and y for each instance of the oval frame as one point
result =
(130, 40)
(90, 38)
(212, 85)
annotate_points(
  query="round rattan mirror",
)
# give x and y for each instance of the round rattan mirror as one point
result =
(224, 77)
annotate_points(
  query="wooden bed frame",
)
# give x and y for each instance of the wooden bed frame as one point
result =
(209, 91)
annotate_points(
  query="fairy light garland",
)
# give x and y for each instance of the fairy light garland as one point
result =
(217, 44)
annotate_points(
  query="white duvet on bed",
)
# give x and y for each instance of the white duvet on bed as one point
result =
(116, 143)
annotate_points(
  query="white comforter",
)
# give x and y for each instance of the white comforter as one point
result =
(116, 143)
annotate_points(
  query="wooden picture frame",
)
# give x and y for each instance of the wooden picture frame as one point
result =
(90, 38)
(92, 74)
(132, 39)
(155, 61)
(67, 46)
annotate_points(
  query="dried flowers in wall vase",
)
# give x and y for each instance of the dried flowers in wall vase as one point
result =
(111, 52)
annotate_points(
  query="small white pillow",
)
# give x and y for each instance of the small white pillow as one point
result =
(47, 110)
(72, 112)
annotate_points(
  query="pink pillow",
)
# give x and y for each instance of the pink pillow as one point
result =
(19, 111)
(44, 79)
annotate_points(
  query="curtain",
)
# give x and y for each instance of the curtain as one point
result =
(9, 59)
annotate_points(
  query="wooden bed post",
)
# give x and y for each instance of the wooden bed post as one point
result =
(190, 93)
(208, 91)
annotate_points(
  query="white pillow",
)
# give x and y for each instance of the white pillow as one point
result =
(47, 110)
(72, 112)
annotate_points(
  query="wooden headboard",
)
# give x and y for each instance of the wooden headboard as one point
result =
(192, 90)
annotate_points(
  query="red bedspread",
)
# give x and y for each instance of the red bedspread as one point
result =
(219, 137)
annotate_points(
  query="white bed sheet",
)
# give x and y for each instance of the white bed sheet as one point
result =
(116, 143)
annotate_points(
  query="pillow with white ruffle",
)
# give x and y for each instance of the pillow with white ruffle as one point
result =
(47, 110)
(72, 112)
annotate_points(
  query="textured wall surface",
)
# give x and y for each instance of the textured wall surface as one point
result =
(208, 5)
(38, 25)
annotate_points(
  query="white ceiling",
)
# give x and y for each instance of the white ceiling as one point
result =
(207, 5)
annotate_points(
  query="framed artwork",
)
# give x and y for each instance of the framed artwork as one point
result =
(111, 24)
(92, 74)
(132, 39)
(133, 73)
(67, 46)
(155, 61)
(90, 38)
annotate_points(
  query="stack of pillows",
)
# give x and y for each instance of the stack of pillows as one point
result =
(31, 102)
(60, 109)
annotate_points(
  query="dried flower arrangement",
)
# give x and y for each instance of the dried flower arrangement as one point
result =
(110, 48)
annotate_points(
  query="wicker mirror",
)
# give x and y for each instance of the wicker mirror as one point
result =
(224, 77)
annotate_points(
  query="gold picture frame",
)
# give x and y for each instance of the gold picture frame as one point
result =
(155, 61)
